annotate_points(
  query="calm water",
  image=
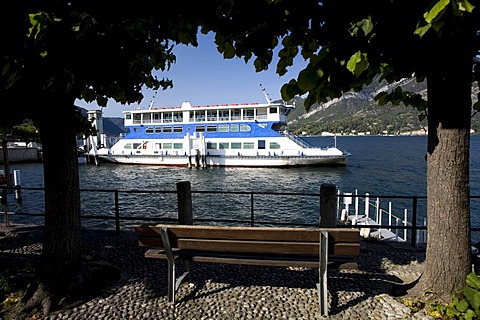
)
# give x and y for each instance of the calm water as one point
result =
(378, 166)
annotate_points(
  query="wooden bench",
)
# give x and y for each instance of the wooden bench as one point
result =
(264, 246)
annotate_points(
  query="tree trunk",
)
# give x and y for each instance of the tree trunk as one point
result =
(448, 259)
(61, 256)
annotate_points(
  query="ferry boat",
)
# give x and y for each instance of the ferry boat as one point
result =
(233, 135)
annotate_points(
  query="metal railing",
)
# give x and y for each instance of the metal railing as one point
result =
(247, 201)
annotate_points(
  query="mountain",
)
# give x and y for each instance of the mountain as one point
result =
(358, 113)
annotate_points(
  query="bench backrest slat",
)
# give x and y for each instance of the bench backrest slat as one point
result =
(301, 241)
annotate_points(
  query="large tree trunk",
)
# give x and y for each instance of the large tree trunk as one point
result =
(60, 264)
(448, 258)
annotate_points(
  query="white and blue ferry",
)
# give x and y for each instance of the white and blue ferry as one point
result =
(233, 135)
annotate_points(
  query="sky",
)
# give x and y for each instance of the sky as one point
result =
(201, 76)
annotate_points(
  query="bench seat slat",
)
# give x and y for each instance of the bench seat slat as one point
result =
(248, 233)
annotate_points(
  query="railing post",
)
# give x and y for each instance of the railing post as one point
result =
(184, 198)
(328, 216)
(367, 204)
(117, 212)
(252, 213)
(5, 206)
(414, 222)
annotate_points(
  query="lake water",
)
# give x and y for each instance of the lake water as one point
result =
(379, 165)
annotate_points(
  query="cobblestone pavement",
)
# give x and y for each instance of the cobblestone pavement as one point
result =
(218, 291)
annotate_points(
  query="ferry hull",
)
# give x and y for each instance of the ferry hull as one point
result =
(222, 161)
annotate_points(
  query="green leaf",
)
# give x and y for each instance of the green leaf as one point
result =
(366, 25)
(436, 10)
(288, 91)
(464, 5)
(473, 280)
(229, 50)
(307, 79)
(358, 63)
(422, 30)
(462, 305)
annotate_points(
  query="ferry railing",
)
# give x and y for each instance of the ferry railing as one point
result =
(117, 213)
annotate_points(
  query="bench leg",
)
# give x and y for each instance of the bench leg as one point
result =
(171, 281)
(322, 273)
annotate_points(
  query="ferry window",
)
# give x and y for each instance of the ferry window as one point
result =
(236, 145)
(147, 117)
(274, 145)
(261, 144)
(177, 117)
(245, 128)
(234, 127)
(158, 129)
(211, 128)
(192, 116)
(236, 114)
(223, 145)
(149, 130)
(167, 117)
(248, 145)
(200, 116)
(223, 114)
(211, 145)
(262, 113)
(273, 110)
(200, 128)
(211, 115)
(177, 129)
(248, 114)
(167, 129)
(127, 146)
(223, 128)
(128, 116)
(137, 145)
(156, 117)
(137, 118)
(167, 145)
(178, 145)
(157, 145)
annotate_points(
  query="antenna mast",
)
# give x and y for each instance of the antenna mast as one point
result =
(153, 101)
(265, 94)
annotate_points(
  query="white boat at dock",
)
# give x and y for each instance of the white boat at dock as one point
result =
(233, 135)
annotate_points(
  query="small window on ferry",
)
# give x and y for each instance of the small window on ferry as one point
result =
(273, 110)
(137, 146)
(211, 145)
(128, 116)
(234, 127)
(157, 145)
(236, 145)
(199, 128)
(167, 117)
(147, 118)
(211, 128)
(178, 145)
(167, 145)
(156, 118)
(158, 129)
(211, 115)
(245, 128)
(262, 113)
(177, 129)
(274, 145)
(223, 128)
(223, 145)
(223, 115)
(236, 114)
(149, 130)
(167, 129)
(127, 146)
(177, 117)
(261, 144)
(137, 117)
(248, 145)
